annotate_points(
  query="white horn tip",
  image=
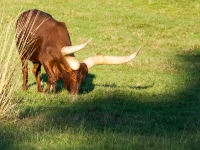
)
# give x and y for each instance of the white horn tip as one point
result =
(139, 49)
(88, 41)
(136, 52)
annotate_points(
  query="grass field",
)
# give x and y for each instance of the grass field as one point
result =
(152, 102)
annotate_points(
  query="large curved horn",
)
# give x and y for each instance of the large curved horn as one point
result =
(101, 59)
(72, 49)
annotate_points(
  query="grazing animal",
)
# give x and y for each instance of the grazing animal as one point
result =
(45, 41)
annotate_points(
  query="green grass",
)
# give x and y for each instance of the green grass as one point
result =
(152, 102)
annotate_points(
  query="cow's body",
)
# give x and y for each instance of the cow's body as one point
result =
(40, 38)
(49, 37)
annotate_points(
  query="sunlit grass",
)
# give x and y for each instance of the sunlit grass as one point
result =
(152, 102)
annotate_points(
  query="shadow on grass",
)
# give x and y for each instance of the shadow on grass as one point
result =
(175, 117)
(86, 86)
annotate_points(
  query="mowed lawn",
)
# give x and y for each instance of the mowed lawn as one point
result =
(152, 102)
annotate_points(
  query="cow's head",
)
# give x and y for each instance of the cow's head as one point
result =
(76, 72)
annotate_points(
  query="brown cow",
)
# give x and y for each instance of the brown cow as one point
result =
(45, 41)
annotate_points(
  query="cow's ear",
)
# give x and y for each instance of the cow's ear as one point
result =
(84, 68)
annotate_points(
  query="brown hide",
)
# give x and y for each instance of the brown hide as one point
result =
(40, 38)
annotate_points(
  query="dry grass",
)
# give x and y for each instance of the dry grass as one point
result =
(9, 62)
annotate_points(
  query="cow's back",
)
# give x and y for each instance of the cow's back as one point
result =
(37, 30)
(28, 26)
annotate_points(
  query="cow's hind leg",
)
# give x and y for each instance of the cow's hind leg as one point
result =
(25, 73)
(36, 71)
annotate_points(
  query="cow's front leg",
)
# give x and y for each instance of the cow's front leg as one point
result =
(48, 86)
(51, 79)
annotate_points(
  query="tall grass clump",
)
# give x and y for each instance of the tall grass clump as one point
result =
(9, 61)
(10, 57)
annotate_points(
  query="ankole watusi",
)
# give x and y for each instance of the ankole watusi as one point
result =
(45, 41)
